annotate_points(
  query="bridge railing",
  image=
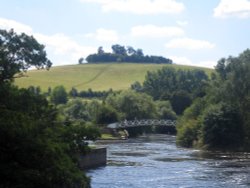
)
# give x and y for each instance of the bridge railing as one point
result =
(143, 122)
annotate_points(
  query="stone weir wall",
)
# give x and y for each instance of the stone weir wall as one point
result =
(96, 158)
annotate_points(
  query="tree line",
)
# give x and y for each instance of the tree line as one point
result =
(59, 95)
(117, 106)
(124, 54)
(221, 119)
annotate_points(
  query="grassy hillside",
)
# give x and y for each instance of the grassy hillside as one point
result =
(98, 77)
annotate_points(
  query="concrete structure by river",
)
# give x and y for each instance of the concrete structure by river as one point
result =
(95, 158)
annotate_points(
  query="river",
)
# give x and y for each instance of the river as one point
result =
(154, 161)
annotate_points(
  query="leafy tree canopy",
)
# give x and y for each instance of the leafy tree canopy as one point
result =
(125, 54)
(59, 95)
(133, 105)
(18, 53)
(35, 151)
(221, 119)
(178, 86)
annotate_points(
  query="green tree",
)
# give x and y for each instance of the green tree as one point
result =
(73, 92)
(80, 61)
(121, 54)
(133, 105)
(106, 114)
(136, 86)
(221, 119)
(180, 101)
(77, 133)
(131, 50)
(18, 53)
(33, 152)
(232, 86)
(93, 108)
(179, 87)
(139, 53)
(100, 51)
(165, 111)
(59, 95)
(119, 50)
(76, 110)
(190, 124)
(163, 83)
(223, 127)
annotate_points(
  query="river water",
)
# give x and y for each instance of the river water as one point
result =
(154, 161)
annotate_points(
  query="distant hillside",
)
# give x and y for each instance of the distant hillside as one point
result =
(98, 77)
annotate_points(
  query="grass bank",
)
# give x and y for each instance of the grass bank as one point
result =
(98, 77)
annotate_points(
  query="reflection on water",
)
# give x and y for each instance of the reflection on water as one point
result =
(154, 161)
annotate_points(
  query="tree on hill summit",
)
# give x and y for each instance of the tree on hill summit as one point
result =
(125, 54)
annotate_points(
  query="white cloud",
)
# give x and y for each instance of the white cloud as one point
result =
(89, 35)
(208, 64)
(181, 60)
(231, 8)
(186, 61)
(104, 35)
(62, 44)
(11, 24)
(140, 6)
(190, 44)
(155, 31)
(59, 47)
(182, 23)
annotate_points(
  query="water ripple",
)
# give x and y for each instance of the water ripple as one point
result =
(154, 161)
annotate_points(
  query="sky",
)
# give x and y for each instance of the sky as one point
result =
(190, 32)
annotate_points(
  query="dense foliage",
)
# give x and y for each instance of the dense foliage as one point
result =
(36, 150)
(222, 127)
(132, 105)
(222, 118)
(121, 54)
(117, 106)
(59, 95)
(89, 93)
(93, 111)
(178, 86)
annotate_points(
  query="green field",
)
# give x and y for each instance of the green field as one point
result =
(98, 77)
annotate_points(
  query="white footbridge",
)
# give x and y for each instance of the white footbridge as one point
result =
(142, 123)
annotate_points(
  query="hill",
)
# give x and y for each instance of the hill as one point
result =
(98, 77)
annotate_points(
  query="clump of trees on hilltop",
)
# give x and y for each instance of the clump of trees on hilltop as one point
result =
(124, 54)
